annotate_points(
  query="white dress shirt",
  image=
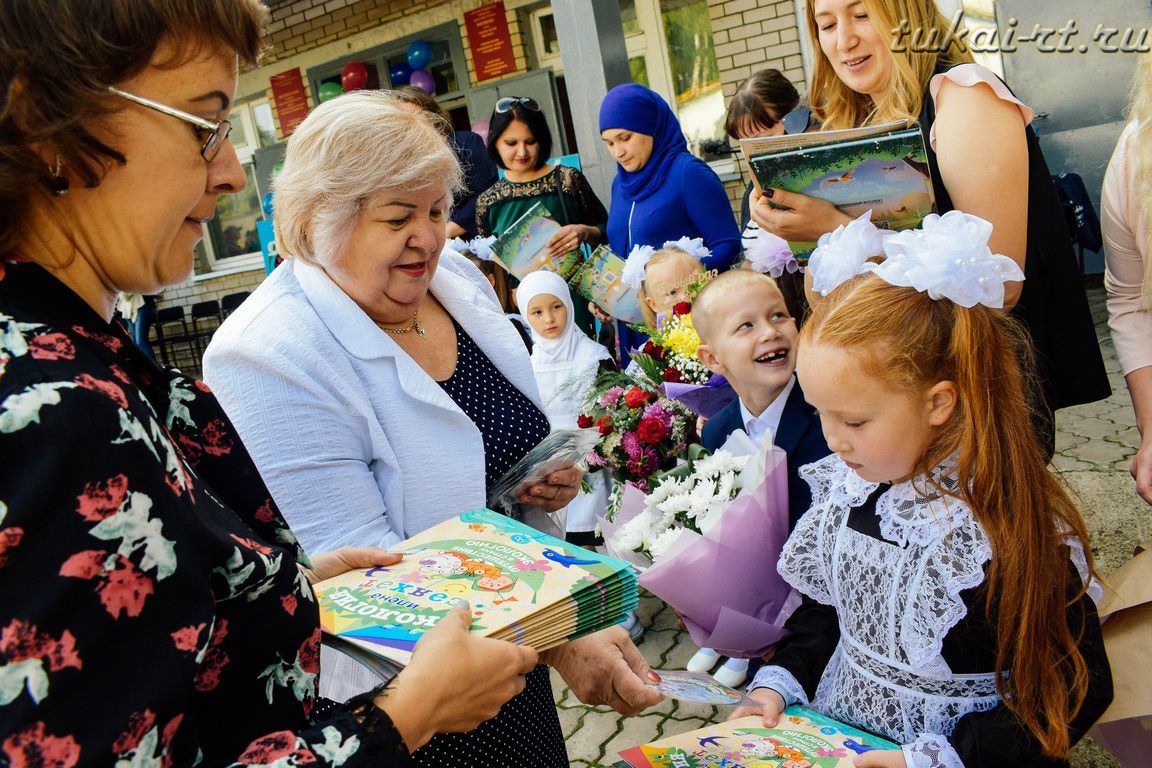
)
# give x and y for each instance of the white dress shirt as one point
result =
(768, 422)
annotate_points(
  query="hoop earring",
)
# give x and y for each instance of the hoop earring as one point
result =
(59, 182)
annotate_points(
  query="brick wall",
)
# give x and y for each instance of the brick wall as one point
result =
(750, 35)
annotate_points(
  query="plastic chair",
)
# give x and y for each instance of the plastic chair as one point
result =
(205, 320)
(172, 330)
(229, 303)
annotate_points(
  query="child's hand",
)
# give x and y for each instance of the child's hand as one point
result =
(772, 704)
(880, 758)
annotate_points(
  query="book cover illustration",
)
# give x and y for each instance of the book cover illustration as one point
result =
(599, 279)
(523, 248)
(523, 586)
(803, 739)
(698, 687)
(887, 174)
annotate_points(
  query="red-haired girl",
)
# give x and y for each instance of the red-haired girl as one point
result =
(944, 569)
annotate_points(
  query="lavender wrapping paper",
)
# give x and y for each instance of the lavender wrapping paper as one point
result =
(724, 583)
(704, 399)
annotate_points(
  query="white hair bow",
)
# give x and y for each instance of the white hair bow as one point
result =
(770, 254)
(457, 244)
(633, 273)
(482, 247)
(693, 246)
(947, 258)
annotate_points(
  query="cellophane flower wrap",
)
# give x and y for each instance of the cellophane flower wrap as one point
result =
(641, 431)
(721, 575)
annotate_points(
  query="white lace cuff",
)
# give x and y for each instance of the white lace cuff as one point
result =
(931, 750)
(781, 681)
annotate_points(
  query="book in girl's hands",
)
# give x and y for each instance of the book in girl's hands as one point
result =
(522, 585)
(523, 247)
(882, 169)
(802, 738)
(599, 280)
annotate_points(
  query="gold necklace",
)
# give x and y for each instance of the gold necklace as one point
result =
(413, 326)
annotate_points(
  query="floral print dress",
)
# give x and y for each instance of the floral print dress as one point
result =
(152, 611)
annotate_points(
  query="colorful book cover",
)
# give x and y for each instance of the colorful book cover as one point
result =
(523, 586)
(803, 739)
(887, 174)
(523, 248)
(599, 279)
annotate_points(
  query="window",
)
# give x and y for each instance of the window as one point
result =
(230, 241)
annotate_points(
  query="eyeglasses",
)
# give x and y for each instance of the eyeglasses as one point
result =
(509, 103)
(217, 132)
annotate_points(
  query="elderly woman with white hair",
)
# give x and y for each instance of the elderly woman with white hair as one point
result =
(380, 388)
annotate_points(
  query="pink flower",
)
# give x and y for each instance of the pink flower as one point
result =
(109, 388)
(9, 539)
(660, 413)
(208, 675)
(264, 514)
(596, 460)
(611, 396)
(122, 588)
(288, 603)
(523, 566)
(138, 727)
(106, 339)
(217, 441)
(102, 499)
(273, 748)
(188, 638)
(31, 747)
(51, 346)
(631, 445)
(309, 653)
(21, 640)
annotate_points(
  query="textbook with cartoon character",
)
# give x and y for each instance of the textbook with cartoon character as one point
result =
(522, 585)
(802, 739)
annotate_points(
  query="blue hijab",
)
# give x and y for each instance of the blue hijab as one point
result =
(634, 108)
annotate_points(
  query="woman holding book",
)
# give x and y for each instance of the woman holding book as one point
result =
(520, 142)
(135, 533)
(380, 388)
(984, 160)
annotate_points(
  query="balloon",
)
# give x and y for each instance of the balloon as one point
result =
(481, 127)
(419, 54)
(422, 80)
(266, 205)
(399, 74)
(330, 91)
(354, 76)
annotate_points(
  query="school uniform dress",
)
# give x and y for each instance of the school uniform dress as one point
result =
(360, 446)
(152, 611)
(893, 636)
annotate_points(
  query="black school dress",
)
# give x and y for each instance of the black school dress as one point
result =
(527, 730)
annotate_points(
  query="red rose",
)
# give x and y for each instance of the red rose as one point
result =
(651, 431)
(636, 398)
(584, 421)
(681, 308)
(605, 425)
(654, 351)
(673, 375)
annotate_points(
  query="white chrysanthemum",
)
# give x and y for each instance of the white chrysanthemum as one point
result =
(660, 544)
(676, 504)
(634, 533)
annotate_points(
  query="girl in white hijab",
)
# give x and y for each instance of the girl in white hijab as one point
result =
(565, 361)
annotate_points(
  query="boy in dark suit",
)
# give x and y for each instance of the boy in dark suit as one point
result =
(748, 336)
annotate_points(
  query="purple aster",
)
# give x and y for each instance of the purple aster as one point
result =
(631, 444)
(660, 413)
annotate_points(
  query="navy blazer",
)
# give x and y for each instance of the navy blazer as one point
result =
(799, 435)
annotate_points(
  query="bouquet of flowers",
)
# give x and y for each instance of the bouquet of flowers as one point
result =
(669, 355)
(690, 497)
(641, 431)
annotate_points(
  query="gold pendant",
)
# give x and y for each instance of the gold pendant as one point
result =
(419, 330)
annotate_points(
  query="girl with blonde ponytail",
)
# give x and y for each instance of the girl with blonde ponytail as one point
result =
(947, 580)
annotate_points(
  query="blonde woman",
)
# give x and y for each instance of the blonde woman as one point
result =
(1126, 210)
(983, 156)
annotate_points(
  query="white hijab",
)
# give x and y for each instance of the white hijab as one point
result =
(566, 366)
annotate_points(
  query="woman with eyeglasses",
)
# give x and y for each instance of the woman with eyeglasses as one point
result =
(661, 191)
(155, 607)
(520, 142)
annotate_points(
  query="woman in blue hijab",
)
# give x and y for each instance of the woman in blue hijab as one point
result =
(661, 192)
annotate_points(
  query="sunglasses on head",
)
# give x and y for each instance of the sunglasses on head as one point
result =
(511, 102)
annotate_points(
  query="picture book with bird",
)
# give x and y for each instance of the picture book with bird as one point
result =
(523, 247)
(802, 739)
(885, 172)
(522, 585)
(600, 279)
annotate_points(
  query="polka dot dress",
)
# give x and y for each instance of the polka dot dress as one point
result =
(527, 730)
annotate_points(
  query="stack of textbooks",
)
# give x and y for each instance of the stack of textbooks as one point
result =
(522, 585)
(879, 168)
(523, 248)
(802, 738)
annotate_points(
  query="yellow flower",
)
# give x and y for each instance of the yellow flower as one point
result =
(680, 337)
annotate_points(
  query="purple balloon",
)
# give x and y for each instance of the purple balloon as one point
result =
(422, 80)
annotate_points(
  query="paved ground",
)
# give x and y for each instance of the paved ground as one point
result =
(1095, 444)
